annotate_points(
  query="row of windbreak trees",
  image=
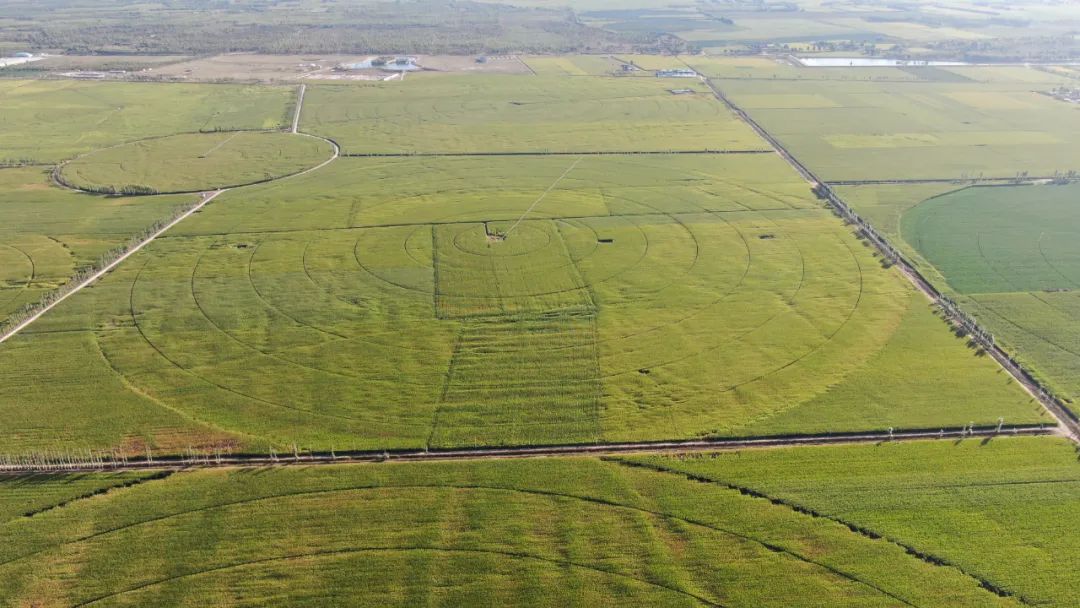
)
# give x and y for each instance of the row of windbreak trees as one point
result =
(964, 322)
(130, 190)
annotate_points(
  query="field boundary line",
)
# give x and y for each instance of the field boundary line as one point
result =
(103, 461)
(206, 198)
(967, 182)
(58, 178)
(1068, 422)
(549, 153)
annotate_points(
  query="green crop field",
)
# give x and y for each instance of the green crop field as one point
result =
(49, 121)
(195, 161)
(47, 233)
(567, 257)
(861, 130)
(476, 113)
(1007, 253)
(1002, 511)
(993, 240)
(1012, 252)
(564, 532)
(643, 298)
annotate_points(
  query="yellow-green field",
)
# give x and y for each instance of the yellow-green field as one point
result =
(521, 261)
(473, 113)
(50, 121)
(876, 130)
(195, 162)
(923, 524)
(642, 298)
(47, 234)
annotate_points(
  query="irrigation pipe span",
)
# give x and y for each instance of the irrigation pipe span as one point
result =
(109, 461)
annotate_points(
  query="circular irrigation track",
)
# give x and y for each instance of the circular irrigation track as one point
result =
(378, 328)
(194, 162)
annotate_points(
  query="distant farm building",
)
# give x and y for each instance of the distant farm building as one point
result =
(677, 73)
(390, 64)
(1066, 94)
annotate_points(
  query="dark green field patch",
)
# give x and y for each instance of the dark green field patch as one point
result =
(1001, 239)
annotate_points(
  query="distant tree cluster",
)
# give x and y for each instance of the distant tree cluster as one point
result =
(1016, 50)
(338, 26)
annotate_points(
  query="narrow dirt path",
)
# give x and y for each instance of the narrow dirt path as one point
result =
(206, 198)
(299, 107)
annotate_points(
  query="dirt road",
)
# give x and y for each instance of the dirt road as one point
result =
(206, 198)
(299, 107)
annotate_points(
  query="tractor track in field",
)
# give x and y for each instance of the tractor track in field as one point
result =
(1068, 422)
(307, 458)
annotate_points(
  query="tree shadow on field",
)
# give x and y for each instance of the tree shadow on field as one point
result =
(10, 481)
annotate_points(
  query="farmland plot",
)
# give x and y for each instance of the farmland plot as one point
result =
(474, 113)
(47, 233)
(890, 131)
(1001, 511)
(550, 532)
(48, 121)
(391, 303)
(1012, 254)
(195, 161)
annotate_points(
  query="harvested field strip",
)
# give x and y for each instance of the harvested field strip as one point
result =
(504, 373)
